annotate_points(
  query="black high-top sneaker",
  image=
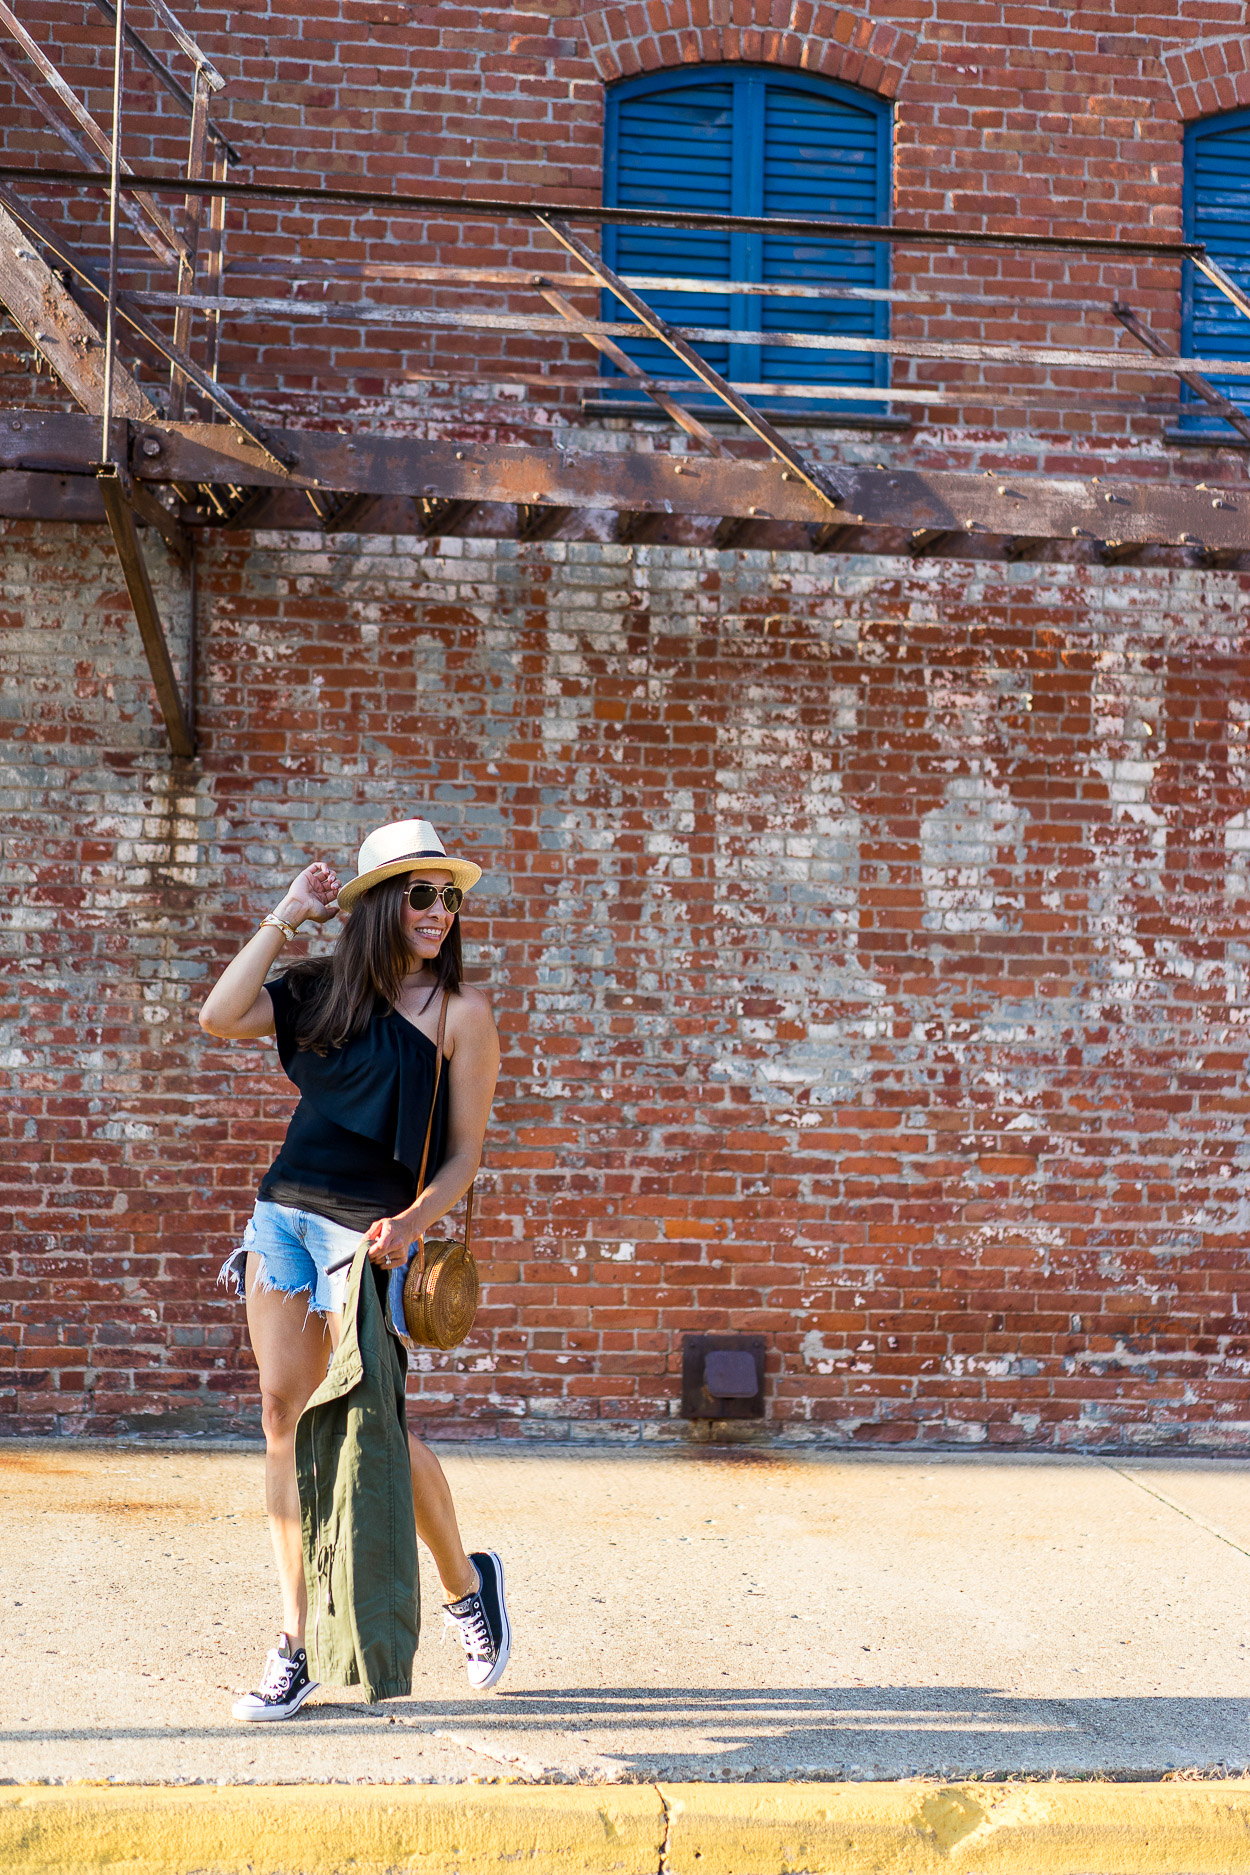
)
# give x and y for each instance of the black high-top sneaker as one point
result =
(284, 1685)
(481, 1621)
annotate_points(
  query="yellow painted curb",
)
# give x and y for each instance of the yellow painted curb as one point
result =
(320, 1829)
(976, 1829)
(684, 1829)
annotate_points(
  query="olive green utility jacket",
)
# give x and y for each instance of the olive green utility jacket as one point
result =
(355, 1493)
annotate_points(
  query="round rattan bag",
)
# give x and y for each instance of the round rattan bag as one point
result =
(441, 1287)
(440, 1294)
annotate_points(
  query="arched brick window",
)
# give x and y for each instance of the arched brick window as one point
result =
(754, 140)
(1217, 211)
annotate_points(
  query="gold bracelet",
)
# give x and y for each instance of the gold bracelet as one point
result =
(278, 924)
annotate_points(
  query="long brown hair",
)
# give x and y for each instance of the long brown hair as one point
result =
(364, 974)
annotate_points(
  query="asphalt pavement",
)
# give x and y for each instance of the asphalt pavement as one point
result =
(679, 1614)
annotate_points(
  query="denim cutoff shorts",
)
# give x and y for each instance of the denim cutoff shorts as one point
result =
(294, 1248)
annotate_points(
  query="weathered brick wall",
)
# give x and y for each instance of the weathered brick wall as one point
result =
(868, 948)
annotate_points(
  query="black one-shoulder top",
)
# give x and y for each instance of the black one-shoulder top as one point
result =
(352, 1151)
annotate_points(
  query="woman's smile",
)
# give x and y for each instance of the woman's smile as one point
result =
(426, 929)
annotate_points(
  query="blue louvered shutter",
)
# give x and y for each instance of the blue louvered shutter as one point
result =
(753, 141)
(673, 148)
(823, 156)
(1217, 212)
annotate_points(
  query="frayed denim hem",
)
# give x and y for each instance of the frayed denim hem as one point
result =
(232, 1276)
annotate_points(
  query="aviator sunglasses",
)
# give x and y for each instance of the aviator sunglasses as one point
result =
(423, 895)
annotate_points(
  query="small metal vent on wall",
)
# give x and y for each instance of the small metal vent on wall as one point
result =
(722, 1376)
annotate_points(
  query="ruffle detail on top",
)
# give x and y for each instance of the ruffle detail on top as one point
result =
(379, 1085)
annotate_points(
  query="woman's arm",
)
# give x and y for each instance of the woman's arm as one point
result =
(476, 1048)
(238, 1007)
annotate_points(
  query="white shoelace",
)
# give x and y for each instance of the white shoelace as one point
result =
(473, 1631)
(277, 1675)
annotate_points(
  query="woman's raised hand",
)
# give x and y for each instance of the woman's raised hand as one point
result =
(313, 895)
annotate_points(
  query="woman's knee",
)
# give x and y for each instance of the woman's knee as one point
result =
(279, 1415)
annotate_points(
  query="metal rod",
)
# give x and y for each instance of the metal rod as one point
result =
(798, 465)
(330, 272)
(950, 351)
(213, 257)
(86, 156)
(1196, 382)
(186, 266)
(172, 24)
(110, 317)
(171, 83)
(1125, 405)
(672, 409)
(398, 202)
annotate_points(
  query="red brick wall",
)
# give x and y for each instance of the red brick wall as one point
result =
(867, 937)
(870, 963)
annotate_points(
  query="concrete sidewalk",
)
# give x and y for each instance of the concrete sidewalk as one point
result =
(682, 1614)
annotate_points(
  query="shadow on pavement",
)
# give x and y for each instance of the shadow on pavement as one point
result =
(683, 1732)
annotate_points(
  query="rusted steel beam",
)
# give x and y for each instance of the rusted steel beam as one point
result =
(636, 528)
(610, 349)
(440, 516)
(1022, 546)
(928, 540)
(833, 538)
(1040, 506)
(817, 480)
(342, 514)
(1057, 508)
(536, 522)
(730, 530)
(57, 326)
(42, 495)
(404, 202)
(121, 522)
(152, 513)
(1196, 382)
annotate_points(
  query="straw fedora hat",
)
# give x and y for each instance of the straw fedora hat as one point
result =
(404, 846)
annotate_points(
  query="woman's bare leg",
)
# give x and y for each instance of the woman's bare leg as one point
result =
(436, 1522)
(292, 1349)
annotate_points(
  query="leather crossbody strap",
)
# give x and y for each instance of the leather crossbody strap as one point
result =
(429, 1130)
(438, 1075)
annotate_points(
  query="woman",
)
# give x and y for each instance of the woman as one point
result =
(357, 1033)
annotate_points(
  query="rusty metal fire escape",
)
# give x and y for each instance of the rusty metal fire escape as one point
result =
(154, 468)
